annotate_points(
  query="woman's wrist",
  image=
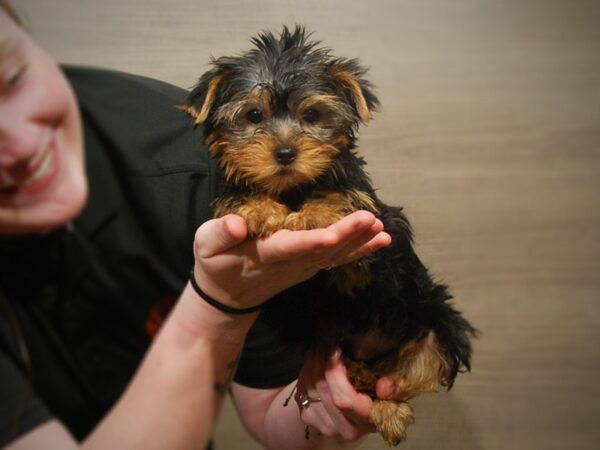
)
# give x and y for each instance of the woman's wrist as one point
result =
(200, 320)
(232, 288)
(227, 309)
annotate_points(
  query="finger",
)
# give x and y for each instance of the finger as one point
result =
(379, 241)
(369, 241)
(387, 388)
(358, 241)
(317, 418)
(353, 225)
(330, 420)
(355, 232)
(218, 235)
(307, 377)
(312, 371)
(286, 244)
(313, 414)
(354, 405)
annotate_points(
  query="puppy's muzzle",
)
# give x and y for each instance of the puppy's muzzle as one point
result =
(285, 156)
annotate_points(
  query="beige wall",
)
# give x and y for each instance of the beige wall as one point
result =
(489, 135)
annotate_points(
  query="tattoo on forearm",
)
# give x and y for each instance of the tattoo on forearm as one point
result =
(222, 387)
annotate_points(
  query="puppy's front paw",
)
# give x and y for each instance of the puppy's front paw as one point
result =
(318, 213)
(263, 215)
(310, 218)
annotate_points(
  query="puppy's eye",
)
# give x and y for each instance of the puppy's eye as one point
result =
(254, 116)
(311, 116)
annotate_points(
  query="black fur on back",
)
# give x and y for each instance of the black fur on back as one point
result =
(402, 303)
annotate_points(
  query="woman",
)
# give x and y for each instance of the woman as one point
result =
(102, 186)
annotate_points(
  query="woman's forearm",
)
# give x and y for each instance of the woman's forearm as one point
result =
(180, 384)
(174, 398)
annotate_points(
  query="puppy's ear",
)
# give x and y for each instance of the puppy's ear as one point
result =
(349, 74)
(201, 100)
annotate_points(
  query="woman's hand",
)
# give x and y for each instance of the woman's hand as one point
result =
(242, 272)
(329, 404)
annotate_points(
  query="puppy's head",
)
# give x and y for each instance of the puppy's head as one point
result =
(278, 115)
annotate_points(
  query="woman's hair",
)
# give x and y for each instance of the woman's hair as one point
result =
(5, 6)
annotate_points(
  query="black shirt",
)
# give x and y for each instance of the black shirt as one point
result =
(86, 297)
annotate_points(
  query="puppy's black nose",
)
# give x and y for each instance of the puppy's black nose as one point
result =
(285, 156)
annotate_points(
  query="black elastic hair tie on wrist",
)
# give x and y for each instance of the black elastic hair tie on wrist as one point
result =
(217, 304)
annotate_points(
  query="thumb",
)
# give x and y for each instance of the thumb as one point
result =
(219, 235)
(387, 388)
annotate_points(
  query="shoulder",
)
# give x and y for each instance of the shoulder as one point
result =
(139, 117)
(97, 83)
(144, 160)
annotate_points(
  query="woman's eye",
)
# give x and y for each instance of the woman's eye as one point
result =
(311, 116)
(254, 116)
(14, 77)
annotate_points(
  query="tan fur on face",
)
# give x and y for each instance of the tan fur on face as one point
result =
(315, 99)
(314, 156)
(233, 113)
(255, 164)
(333, 112)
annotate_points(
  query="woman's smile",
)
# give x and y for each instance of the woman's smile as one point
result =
(37, 173)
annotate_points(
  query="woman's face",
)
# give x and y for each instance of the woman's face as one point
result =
(42, 180)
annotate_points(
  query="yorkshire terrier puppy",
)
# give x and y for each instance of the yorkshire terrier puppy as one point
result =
(282, 119)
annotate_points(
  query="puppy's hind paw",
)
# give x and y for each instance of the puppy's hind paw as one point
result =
(391, 419)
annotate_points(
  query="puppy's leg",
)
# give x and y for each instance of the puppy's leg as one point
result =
(262, 214)
(319, 212)
(419, 367)
(391, 420)
(326, 209)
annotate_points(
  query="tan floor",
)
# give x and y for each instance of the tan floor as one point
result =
(489, 135)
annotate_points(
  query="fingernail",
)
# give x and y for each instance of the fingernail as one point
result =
(336, 355)
(366, 221)
(383, 389)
